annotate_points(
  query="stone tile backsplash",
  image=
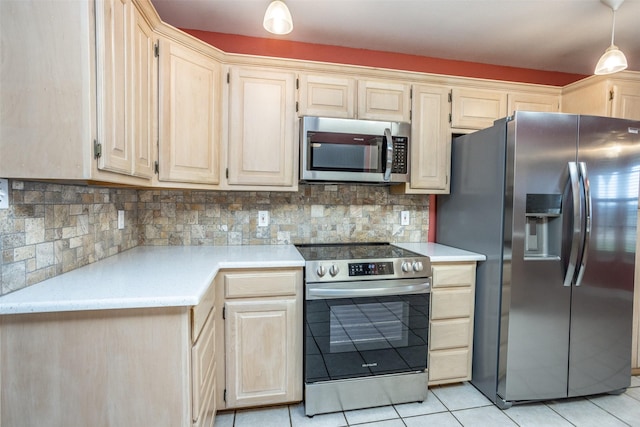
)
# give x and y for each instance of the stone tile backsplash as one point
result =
(50, 228)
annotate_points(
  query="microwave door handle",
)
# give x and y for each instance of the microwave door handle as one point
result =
(389, 139)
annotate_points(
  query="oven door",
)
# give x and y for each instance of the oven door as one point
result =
(363, 329)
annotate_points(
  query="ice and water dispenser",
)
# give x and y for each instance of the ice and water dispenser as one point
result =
(543, 226)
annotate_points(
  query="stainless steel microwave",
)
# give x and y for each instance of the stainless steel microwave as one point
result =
(347, 150)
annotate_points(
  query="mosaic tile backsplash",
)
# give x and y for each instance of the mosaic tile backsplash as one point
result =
(50, 229)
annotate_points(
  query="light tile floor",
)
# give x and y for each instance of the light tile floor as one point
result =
(456, 405)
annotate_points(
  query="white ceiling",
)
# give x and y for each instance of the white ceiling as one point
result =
(554, 35)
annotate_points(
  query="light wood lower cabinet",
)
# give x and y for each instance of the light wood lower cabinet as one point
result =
(451, 322)
(109, 368)
(262, 337)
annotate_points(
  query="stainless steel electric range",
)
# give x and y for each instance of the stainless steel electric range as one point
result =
(366, 317)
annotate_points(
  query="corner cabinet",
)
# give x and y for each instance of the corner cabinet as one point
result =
(129, 367)
(451, 322)
(261, 139)
(262, 317)
(189, 115)
(617, 95)
(333, 95)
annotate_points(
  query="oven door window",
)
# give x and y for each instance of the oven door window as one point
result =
(349, 338)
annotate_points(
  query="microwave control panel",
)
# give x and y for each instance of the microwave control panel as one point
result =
(400, 155)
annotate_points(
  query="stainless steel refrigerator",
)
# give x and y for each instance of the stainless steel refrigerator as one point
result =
(551, 199)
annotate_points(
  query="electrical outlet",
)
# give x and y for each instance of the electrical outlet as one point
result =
(4, 193)
(263, 218)
(405, 218)
(120, 220)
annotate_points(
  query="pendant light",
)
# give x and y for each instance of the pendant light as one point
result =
(277, 18)
(613, 60)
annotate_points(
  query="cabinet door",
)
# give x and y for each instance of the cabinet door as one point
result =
(532, 102)
(114, 25)
(430, 140)
(144, 93)
(475, 108)
(262, 123)
(188, 146)
(327, 96)
(626, 101)
(383, 100)
(47, 89)
(262, 345)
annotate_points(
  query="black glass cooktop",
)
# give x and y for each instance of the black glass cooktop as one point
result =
(349, 251)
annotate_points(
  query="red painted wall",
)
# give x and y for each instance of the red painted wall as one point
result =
(372, 58)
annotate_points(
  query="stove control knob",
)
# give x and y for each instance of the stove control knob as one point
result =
(321, 271)
(417, 266)
(334, 270)
(406, 266)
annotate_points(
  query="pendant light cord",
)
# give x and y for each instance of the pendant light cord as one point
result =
(613, 26)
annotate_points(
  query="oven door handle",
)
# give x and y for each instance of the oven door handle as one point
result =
(360, 292)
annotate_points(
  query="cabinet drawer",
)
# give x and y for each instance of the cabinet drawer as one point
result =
(454, 275)
(450, 333)
(261, 283)
(200, 312)
(451, 303)
(449, 364)
(203, 367)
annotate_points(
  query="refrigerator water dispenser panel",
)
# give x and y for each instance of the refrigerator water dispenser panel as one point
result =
(543, 227)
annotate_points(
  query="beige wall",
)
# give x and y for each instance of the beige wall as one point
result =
(50, 229)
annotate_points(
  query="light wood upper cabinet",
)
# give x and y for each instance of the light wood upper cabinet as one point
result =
(430, 142)
(144, 93)
(626, 100)
(114, 80)
(189, 115)
(617, 95)
(384, 100)
(127, 87)
(327, 96)
(520, 101)
(261, 140)
(476, 108)
(262, 336)
(68, 78)
(350, 98)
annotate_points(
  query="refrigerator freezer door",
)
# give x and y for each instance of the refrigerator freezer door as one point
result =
(535, 304)
(601, 311)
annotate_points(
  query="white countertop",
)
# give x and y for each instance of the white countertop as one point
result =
(165, 276)
(145, 276)
(441, 253)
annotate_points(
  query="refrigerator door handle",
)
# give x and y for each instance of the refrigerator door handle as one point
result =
(574, 179)
(587, 229)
